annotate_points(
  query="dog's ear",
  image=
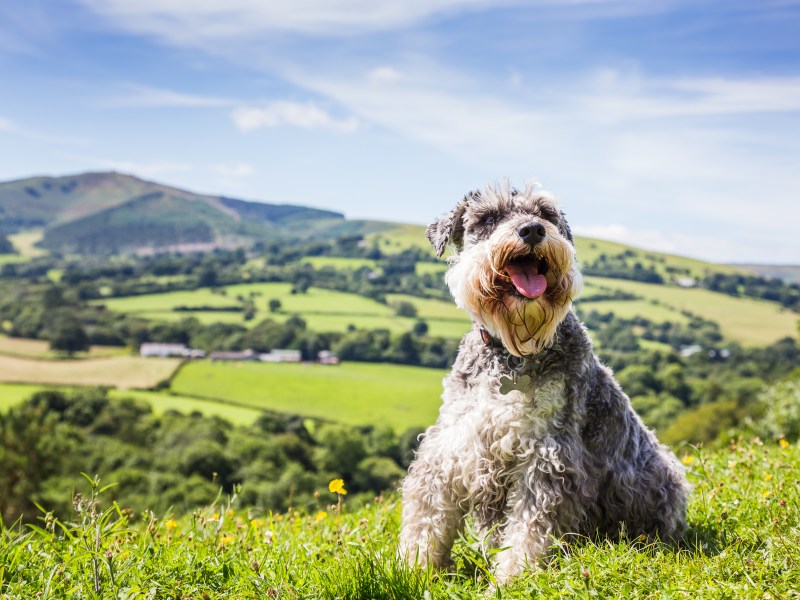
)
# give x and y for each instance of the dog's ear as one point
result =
(450, 228)
(563, 228)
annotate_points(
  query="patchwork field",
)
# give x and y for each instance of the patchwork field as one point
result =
(355, 393)
(118, 371)
(41, 349)
(744, 320)
(323, 310)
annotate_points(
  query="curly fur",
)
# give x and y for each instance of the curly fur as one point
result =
(571, 456)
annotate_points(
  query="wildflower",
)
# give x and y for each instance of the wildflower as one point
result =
(215, 516)
(337, 487)
(226, 539)
(171, 524)
(767, 476)
(321, 515)
(257, 522)
(783, 443)
(688, 459)
(229, 512)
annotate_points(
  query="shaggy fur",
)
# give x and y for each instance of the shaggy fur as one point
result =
(565, 455)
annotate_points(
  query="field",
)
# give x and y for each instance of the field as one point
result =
(323, 310)
(744, 320)
(117, 371)
(743, 542)
(354, 393)
(41, 349)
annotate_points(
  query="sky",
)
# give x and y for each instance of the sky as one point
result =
(672, 125)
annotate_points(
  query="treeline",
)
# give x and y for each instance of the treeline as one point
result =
(697, 397)
(754, 286)
(177, 461)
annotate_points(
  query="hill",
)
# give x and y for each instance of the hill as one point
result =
(111, 213)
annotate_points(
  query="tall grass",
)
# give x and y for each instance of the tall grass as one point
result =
(743, 542)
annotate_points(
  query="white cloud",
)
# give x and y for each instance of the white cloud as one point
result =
(5, 125)
(305, 115)
(232, 169)
(384, 76)
(140, 96)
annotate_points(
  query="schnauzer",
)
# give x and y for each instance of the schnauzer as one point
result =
(535, 439)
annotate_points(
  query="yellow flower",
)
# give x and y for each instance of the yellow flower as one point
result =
(337, 487)
(767, 476)
(226, 539)
(783, 443)
(765, 493)
(688, 459)
(215, 516)
(321, 515)
(257, 522)
(171, 524)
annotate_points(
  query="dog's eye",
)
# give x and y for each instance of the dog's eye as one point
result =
(489, 221)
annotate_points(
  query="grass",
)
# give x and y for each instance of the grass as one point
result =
(116, 371)
(12, 394)
(745, 320)
(163, 402)
(27, 348)
(401, 237)
(743, 542)
(337, 262)
(354, 393)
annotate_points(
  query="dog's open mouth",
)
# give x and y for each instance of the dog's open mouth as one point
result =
(528, 275)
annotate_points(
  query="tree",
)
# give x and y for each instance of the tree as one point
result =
(420, 329)
(68, 335)
(405, 309)
(274, 305)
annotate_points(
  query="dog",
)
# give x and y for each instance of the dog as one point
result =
(535, 439)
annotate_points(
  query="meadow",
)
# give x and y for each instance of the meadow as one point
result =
(352, 393)
(27, 348)
(117, 371)
(322, 309)
(743, 542)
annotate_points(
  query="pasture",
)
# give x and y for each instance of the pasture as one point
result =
(116, 371)
(745, 320)
(28, 348)
(323, 310)
(353, 393)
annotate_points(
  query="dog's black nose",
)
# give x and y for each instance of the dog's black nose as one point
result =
(532, 233)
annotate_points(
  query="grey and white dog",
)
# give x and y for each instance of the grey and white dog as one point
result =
(535, 439)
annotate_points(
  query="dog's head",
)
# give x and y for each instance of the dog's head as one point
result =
(514, 269)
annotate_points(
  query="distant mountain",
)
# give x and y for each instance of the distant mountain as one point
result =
(110, 213)
(788, 273)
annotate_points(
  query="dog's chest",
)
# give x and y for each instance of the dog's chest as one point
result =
(495, 434)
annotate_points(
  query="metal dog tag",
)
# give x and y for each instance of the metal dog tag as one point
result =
(515, 384)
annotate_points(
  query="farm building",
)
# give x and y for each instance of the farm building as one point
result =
(230, 355)
(149, 349)
(326, 357)
(280, 356)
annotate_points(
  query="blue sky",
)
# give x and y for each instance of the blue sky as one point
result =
(671, 125)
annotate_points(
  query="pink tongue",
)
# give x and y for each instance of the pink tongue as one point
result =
(527, 281)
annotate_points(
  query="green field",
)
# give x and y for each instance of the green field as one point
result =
(355, 393)
(337, 262)
(744, 320)
(401, 237)
(27, 348)
(116, 371)
(323, 310)
(163, 402)
(12, 394)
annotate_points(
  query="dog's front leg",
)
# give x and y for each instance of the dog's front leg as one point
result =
(432, 514)
(542, 504)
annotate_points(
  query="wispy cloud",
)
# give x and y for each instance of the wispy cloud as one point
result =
(306, 115)
(180, 21)
(232, 169)
(141, 96)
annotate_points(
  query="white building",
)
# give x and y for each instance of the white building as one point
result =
(280, 356)
(150, 349)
